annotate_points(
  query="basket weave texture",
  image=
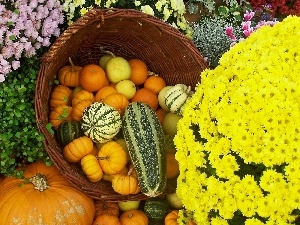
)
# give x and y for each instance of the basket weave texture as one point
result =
(126, 33)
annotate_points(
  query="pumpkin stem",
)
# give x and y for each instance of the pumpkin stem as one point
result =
(107, 52)
(103, 158)
(72, 64)
(39, 182)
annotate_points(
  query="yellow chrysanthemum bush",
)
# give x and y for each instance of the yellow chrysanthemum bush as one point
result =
(239, 139)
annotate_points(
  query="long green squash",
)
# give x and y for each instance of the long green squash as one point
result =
(145, 141)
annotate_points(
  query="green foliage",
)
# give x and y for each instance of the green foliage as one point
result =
(20, 141)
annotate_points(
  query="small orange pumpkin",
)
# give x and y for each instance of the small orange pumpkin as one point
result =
(106, 219)
(82, 95)
(61, 95)
(60, 114)
(172, 217)
(109, 177)
(91, 167)
(69, 75)
(103, 92)
(112, 157)
(79, 108)
(44, 196)
(103, 207)
(172, 166)
(118, 101)
(125, 184)
(77, 149)
(134, 217)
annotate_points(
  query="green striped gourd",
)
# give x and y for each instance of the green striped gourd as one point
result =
(68, 131)
(156, 209)
(176, 97)
(100, 122)
(145, 141)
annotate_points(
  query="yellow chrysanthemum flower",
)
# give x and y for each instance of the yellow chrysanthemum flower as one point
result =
(239, 136)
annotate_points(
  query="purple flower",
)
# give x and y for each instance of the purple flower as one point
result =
(22, 33)
(15, 64)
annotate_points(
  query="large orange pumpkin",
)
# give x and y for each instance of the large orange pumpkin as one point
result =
(44, 196)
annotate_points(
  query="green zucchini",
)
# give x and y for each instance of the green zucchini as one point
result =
(144, 137)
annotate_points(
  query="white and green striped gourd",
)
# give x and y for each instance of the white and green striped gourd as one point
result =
(101, 122)
(176, 98)
(144, 138)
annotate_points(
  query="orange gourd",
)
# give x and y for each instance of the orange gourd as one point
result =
(106, 219)
(125, 184)
(172, 217)
(82, 95)
(60, 95)
(91, 167)
(103, 92)
(109, 177)
(118, 101)
(134, 217)
(112, 157)
(60, 114)
(69, 75)
(103, 207)
(77, 149)
(79, 108)
(172, 166)
(44, 196)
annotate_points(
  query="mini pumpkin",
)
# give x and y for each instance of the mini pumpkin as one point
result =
(44, 196)
(69, 75)
(79, 108)
(176, 97)
(118, 101)
(106, 219)
(103, 207)
(112, 157)
(60, 114)
(172, 217)
(77, 149)
(125, 184)
(60, 95)
(82, 95)
(109, 177)
(91, 167)
(134, 217)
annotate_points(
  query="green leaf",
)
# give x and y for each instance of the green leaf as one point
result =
(49, 128)
(12, 37)
(223, 10)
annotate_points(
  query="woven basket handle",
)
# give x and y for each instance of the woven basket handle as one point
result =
(94, 15)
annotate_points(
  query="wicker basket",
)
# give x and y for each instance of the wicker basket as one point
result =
(127, 33)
